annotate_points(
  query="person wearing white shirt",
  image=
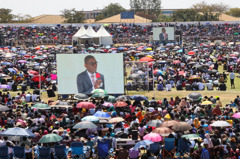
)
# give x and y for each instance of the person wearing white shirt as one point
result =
(28, 97)
(201, 86)
(232, 77)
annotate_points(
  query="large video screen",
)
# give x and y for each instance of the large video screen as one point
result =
(163, 34)
(82, 73)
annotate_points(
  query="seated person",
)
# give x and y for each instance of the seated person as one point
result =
(201, 86)
(209, 86)
(160, 87)
(222, 87)
(168, 87)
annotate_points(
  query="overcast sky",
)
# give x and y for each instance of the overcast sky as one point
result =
(39, 7)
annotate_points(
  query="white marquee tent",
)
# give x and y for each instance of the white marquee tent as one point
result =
(101, 37)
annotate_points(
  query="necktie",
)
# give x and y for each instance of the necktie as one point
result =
(93, 80)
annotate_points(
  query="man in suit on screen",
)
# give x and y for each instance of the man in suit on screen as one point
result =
(90, 79)
(163, 37)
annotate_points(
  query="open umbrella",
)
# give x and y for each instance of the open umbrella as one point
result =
(99, 91)
(148, 59)
(163, 131)
(90, 118)
(111, 99)
(123, 98)
(4, 108)
(99, 95)
(169, 123)
(116, 120)
(85, 125)
(61, 104)
(206, 103)
(22, 61)
(220, 124)
(12, 70)
(86, 105)
(143, 143)
(236, 115)
(176, 62)
(191, 136)
(120, 104)
(101, 114)
(154, 123)
(182, 126)
(17, 132)
(139, 97)
(107, 104)
(40, 106)
(50, 138)
(80, 96)
(37, 78)
(153, 137)
(53, 76)
(32, 72)
(194, 96)
(5, 86)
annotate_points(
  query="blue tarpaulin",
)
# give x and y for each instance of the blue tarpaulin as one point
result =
(127, 15)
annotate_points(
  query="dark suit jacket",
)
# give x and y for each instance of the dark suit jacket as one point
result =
(84, 83)
(162, 38)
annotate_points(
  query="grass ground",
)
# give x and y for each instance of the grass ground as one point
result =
(225, 96)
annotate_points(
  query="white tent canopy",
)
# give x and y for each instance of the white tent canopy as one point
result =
(82, 31)
(101, 37)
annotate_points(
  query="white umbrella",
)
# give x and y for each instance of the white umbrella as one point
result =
(220, 124)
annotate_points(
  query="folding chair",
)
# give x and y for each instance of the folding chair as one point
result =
(103, 149)
(4, 152)
(169, 147)
(60, 152)
(183, 147)
(44, 153)
(77, 150)
(155, 148)
(19, 152)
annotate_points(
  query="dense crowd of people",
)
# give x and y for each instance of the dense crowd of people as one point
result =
(133, 127)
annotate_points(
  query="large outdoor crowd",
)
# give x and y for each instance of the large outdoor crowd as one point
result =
(107, 126)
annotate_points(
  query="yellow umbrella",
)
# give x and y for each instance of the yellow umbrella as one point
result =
(149, 49)
(149, 56)
(167, 116)
(206, 103)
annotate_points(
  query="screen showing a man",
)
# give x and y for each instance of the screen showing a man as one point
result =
(90, 79)
(163, 37)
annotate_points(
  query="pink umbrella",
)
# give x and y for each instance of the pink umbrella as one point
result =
(154, 137)
(53, 76)
(86, 105)
(236, 115)
(107, 104)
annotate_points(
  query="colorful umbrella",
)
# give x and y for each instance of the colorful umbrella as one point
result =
(38, 78)
(116, 120)
(17, 132)
(22, 61)
(182, 126)
(154, 137)
(169, 123)
(148, 59)
(206, 103)
(32, 72)
(164, 131)
(120, 104)
(107, 104)
(5, 86)
(220, 124)
(101, 114)
(53, 76)
(99, 91)
(236, 115)
(142, 144)
(86, 105)
(90, 118)
(85, 125)
(50, 138)
(40, 106)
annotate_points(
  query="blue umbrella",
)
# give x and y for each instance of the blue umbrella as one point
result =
(90, 118)
(143, 143)
(120, 48)
(17, 132)
(101, 114)
(12, 70)
(6, 63)
(139, 97)
(181, 50)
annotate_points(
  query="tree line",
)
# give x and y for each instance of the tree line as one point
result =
(150, 9)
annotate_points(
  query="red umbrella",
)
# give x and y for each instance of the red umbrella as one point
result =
(36, 78)
(32, 72)
(148, 59)
(86, 105)
(191, 53)
(181, 73)
(176, 62)
(120, 104)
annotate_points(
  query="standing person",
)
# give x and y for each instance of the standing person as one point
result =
(232, 77)
(163, 37)
(89, 79)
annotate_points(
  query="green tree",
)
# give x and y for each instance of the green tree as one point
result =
(5, 15)
(234, 12)
(151, 7)
(110, 10)
(185, 15)
(20, 18)
(73, 16)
